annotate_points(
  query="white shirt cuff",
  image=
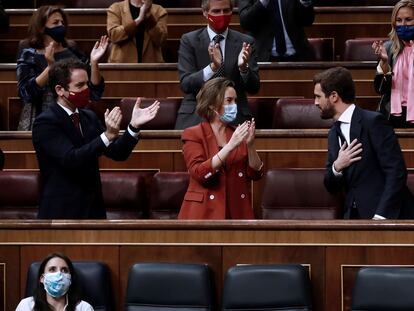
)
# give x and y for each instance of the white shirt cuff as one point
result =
(337, 174)
(207, 73)
(133, 134)
(306, 3)
(105, 140)
(378, 217)
(265, 3)
(379, 70)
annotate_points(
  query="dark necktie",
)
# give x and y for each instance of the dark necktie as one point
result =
(339, 132)
(220, 71)
(76, 121)
(280, 34)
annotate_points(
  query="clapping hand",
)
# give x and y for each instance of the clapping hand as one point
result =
(141, 116)
(251, 133)
(239, 135)
(146, 6)
(113, 123)
(99, 49)
(379, 49)
(50, 53)
(215, 55)
(244, 56)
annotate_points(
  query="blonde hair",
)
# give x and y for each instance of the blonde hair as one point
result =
(396, 43)
(211, 97)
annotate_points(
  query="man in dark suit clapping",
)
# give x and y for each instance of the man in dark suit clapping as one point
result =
(216, 51)
(69, 139)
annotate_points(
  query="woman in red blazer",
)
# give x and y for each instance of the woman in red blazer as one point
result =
(221, 159)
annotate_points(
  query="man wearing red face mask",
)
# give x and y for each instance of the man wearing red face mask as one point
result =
(69, 140)
(212, 52)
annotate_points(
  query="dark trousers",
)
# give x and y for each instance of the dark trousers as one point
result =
(291, 58)
(400, 121)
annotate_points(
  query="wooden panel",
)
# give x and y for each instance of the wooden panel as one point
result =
(333, 250)
(341, 23)
(162, 150)
(347, 261)
(9, 277)
(161, 80)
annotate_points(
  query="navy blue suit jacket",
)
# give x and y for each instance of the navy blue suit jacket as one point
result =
(376, 183)
(260, 23)
(68, 162)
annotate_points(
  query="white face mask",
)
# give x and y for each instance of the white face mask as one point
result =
(56, 284)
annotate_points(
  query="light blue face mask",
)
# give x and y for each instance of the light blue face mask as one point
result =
(230, 113)
(57, 283)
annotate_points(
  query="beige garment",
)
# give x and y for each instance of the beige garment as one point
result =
(121, 31)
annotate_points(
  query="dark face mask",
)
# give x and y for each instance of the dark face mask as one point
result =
(57, 33)
(79, 99)
(405, 32)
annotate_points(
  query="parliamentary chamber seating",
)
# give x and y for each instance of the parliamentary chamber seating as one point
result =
(287, 194)
(383, 288)
(267, 287)
(170, 286)
(138, 195)
(93, 277)
(140, 199)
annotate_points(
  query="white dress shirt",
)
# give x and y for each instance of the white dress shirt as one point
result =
(207, 71)
(345, 127)
(105, 139)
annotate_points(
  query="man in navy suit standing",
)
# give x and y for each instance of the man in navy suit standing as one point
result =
(69, 139)
(278, 28)
(364, 157)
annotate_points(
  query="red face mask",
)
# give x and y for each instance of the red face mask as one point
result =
(79, 99)
(219, 23)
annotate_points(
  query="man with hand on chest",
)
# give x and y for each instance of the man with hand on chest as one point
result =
(364, 158)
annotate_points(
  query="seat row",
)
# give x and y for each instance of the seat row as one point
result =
(140, 195)
(190, 287)
(182, 3)
(358, 49)
(284, 113)
(290, 113)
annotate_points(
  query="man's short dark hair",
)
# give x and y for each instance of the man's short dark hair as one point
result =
(61, 71)
(337, 79)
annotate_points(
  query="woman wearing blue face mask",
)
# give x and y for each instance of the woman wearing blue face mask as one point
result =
(221, 159)
(395, 71)
(57, 288)
(45, 45)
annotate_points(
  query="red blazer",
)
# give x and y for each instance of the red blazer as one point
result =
(216, 194)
